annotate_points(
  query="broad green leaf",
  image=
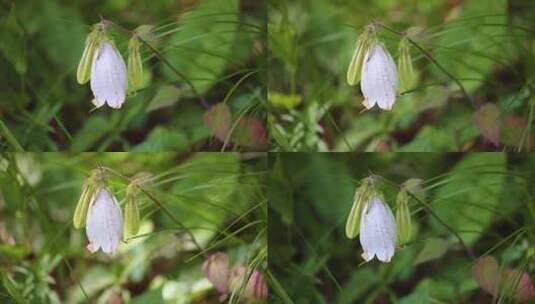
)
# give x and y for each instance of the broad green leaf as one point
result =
(469, 201)
(433, 249)
(163, 139)
(203, 43)
(61, 34)
(92, 131)
(13, 41)
(166, 96)
(469, 49)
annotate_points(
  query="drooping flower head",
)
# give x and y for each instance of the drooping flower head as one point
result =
(104, 227)
(108, 76)
(378, 231)
(371, 219)
(379, 83)
(103, 66)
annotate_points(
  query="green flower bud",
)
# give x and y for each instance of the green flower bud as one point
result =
(131, 213)
(135, 66)
(407, 75)
(362, 196)
(364, 43)
(88, 190)
(92, 42)
(403, 217)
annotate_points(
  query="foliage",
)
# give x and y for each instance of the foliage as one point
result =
(469, 206)
(195, 54)
(217, 198)
(465, 57)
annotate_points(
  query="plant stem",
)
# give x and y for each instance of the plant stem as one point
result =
(174, 219)
(433, 60)
(430, 211)
(159, 204)
(168, 64)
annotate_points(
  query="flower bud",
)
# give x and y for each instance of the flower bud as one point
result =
(361, 197)
(134, 66)
(403, 217)
(216, 268)
(407, 75)
(363, 44)
(414, 187)
(92, 42)
(131, 213)
(256, 287)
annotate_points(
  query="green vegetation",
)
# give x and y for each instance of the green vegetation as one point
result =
(195, 54)
(473, 222)
(191, 206)
(471, 87)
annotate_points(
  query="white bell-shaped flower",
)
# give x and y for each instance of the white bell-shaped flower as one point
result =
(104, 225)
(378, 231)
(379, 83)
(108, 76)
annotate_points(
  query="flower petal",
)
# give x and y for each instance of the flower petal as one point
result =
(108, 76)
(379, 78)
(378, 231)
(104, 223)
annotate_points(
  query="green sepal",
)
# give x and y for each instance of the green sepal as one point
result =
(361, 198)
(134, 65)
(131, 214)
(80, 213)
(403, 217)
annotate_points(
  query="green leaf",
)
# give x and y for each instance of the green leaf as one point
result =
(13, 41)
(162, 139)
(12, 289)
(93, 129)
(166, 96)
(468, 202)
(469, 49)
(433, 249)
(203, 44)
(61, 34)
(431, 139)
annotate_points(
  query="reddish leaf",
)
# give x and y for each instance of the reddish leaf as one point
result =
(218, 119)
(486, 273)
(512, 130)
(250, 133)
(487, 120)
(520, 283)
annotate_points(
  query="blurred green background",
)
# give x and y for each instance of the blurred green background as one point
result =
(217, 45)
(220, 198)
(486, 45)
(486, 198)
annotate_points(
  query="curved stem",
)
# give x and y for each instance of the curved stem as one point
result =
(168, 64)
(433, 60)
(161, 206)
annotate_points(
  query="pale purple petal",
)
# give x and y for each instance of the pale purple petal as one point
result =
(378, 231)
(379, 82)
(104, 223)
(108, 76)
